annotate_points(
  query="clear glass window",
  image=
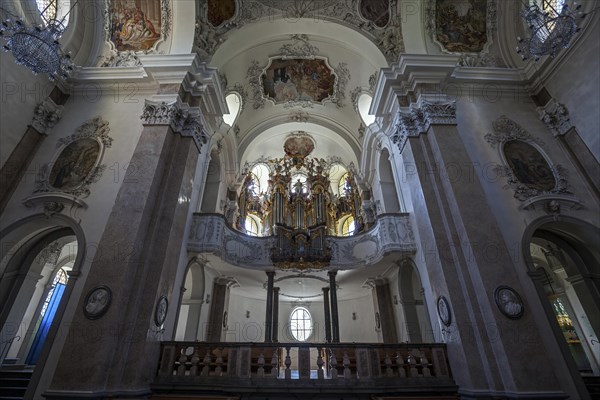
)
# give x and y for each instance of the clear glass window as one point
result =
(301, 324)
(348, 226)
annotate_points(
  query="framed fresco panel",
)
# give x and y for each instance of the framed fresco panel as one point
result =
(77, 163)
(135, 25)
(461, 26)
(529, 166)
(298, 79)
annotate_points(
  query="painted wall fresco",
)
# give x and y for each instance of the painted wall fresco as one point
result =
(220, 11)
(74, 164)
(529, 166)
(376, 11)
(461, 24)
(298, 80)
(135, 24)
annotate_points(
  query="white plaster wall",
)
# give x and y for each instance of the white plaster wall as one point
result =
(240, 328)
(576, 84)
(20, 93)
(363, 328)
(122, 113)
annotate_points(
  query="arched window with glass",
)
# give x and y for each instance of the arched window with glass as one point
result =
(48, 310)
(301, 324)
(347, 226)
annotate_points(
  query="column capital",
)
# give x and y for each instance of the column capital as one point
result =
(437, 113)
(332, 273)
(46, 116)
(276, 289)
(374, 282)
(183, 119)
(270, 273)
(556, 117)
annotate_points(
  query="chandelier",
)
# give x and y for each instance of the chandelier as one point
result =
(551, 30)
(37, 47)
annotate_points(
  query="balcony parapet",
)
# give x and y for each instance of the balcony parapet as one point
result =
(325, 368)
(210, 233)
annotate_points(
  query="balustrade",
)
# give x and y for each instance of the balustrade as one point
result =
(399, 364)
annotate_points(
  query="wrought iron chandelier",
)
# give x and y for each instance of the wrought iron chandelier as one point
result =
(37, 47)
(551, 30)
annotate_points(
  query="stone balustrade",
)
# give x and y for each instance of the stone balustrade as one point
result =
(210, 233)
(367, 367)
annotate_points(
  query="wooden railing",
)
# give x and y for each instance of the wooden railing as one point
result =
(273, 364)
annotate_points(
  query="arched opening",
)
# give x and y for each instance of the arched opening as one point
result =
(189, 321)
(564, 262)
(32, 301)
(413, 309)
(210, 197)
(389, 194)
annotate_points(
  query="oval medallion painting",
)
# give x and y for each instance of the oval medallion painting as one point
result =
(529, 166)
(74, 164)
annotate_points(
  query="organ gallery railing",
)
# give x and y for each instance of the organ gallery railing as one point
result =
(210, 233)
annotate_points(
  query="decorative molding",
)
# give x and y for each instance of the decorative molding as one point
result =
(346, 12)
(373, 81)
(524, 192)
(185, 120)
(298, 116)
(210, 233)
(46, 116)
(506, 130)
(121, 59)
(438, 113)
(129, 58)
(556, 117)
(299, 48)
(509, 302)
(255, 72)
(354, 95)
(480, 59)
(96, 129)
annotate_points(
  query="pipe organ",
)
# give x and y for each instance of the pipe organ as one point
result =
(294, 200)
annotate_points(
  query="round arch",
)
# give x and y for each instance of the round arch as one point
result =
(21, 243)
(568, 246)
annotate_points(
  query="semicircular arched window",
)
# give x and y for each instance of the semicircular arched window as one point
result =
(234, 104)
(364, 104)
(301, 324)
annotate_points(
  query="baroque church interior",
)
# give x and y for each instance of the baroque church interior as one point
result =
(283, 199)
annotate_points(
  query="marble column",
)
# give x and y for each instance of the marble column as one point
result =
(327, 313)
(45, 117)
(275, 332)
(269, 307)
(137, 258)
(217, 318)
(382, 301)
(459, 231)
(335, 324)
